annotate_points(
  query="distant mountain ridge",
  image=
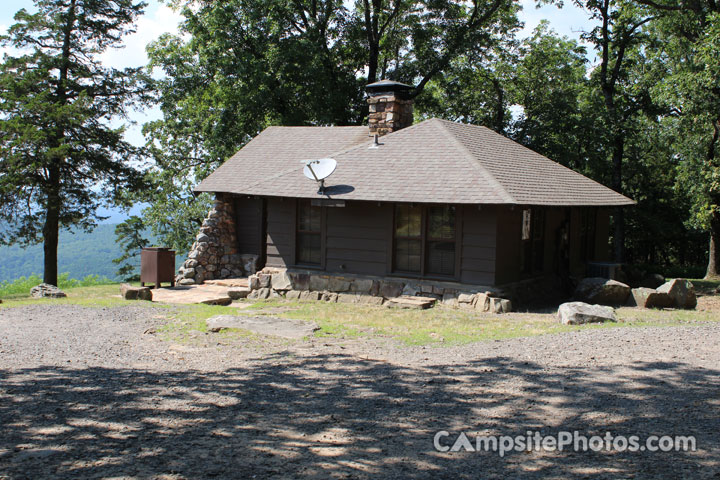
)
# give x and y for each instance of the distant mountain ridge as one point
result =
(80, 254)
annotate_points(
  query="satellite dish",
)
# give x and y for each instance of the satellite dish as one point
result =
(319, 170)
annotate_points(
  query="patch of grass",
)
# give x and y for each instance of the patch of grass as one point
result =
(21, 287)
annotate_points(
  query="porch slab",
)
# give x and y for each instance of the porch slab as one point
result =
(190, 294)
(406, 301)
(229, 282)
(279, 327)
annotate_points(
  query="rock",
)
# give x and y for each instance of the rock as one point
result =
(482, 302)
(336, 284)
(361, 285)
(187, 281)
(390, 289)
(652, 280)
(602, 291)
(293, 294)
(370, 300)
(499, 305)
(259, 294)
(649, 298)
(450, 299)
(308, 295)
(253, 282)
(281, 281)
(300, 281)
(45, 290)
(466, 298)
(348, 298)
(128, 292)
(264, 280)
(411, 302)
(318, 283)
(238, 293)
(578, 313)
(249, 264)
(411, 290)
(329, 297)
(681, 292)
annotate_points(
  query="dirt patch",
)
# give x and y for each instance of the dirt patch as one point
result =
(84, 393)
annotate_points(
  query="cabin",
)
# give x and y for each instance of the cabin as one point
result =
(434, 201)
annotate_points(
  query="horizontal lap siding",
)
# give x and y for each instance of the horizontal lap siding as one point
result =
(509, 237)
(478, 246)
(249, 221)
(357, 237)
(280, 232)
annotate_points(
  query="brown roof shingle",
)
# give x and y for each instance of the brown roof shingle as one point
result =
(434, 161)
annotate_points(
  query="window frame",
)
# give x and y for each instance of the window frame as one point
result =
(424, 239)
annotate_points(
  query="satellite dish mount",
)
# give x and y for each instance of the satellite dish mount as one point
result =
(319, 170)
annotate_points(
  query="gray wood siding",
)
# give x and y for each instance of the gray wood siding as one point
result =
(477, 264)
(249, 225)
(280, 232)
(357, 237)
(509, 236)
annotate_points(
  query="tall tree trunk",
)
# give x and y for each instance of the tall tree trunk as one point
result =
(51, 231)
(619, 216)
(712, 268)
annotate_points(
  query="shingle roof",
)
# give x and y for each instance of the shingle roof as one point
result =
(435, 161)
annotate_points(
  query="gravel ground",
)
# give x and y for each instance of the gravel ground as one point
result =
(85, 393)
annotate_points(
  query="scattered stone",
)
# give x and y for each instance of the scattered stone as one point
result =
(348, 298)
(279, 327)
(293, 294)
(264, 280)
(450, 299)
(259, 294)
(411, 302)
(649, 298)
(466, 298)
(308, 295)
(681, 292)
(238, 293)
(150, 331)
(361, 285)
(253, 282)
(329, 297)
(578, 313)
(499, 305)
(45, 290)
(186, 281)
(482, 302)
(128, 292)
(390, 289)
(281, 281)
(370, 300)
(602, 291)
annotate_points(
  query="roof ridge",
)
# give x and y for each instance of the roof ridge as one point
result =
(501, 188)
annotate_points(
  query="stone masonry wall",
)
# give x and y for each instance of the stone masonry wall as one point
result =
(214, 254)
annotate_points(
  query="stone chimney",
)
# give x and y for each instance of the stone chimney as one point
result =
(391, 107)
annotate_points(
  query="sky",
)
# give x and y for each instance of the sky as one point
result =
(159, 18)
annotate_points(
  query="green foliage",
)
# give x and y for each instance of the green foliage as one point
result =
(61, 159)
(22, 285)
(129, 235)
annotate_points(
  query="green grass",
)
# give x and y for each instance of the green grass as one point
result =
(21, 287)
(439, 326)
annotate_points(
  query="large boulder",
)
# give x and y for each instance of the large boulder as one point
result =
(128, 292)
(578, 313)
(649, 298)
(45, 290)
(681, 292)
(602, 291)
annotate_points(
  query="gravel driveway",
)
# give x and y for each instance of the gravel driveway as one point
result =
(85, 393)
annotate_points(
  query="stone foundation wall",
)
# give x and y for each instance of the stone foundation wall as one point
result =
(309, 285)
(214, 254)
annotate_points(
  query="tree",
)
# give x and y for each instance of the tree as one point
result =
(61, 157)
(130, 235)
(242, 65)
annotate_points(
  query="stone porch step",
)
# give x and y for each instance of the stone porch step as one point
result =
(406, 301)
(229, 282)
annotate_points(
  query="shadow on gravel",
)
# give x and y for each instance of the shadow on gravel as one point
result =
(344, 417)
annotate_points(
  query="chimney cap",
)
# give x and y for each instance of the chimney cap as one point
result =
(388, 86)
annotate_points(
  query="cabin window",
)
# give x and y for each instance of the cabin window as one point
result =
(408, 239)
(309, 222)
(441, 240)
(533, 240)
(424, 240)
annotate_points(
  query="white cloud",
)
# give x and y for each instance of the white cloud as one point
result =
(150, 26)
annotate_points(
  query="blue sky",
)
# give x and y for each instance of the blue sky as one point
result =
(158, 19)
